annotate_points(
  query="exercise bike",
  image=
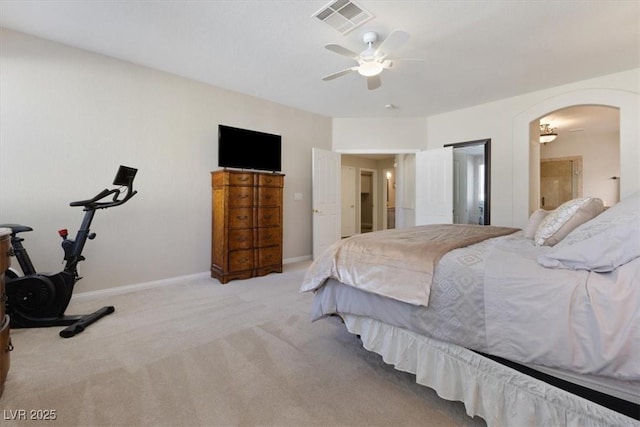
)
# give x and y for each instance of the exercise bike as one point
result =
(36, 300)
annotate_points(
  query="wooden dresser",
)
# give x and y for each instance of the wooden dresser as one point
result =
(5, 339)
(246, 224)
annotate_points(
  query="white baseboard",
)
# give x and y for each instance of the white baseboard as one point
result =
(297, 259)
(164, 282)
(139, 286)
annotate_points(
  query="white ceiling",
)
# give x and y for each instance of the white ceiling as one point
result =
(474, 51)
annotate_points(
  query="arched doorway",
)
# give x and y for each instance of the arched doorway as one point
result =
(583, 159)
(525, 124)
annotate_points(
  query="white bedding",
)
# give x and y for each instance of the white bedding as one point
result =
(577, 320)
(495, 298)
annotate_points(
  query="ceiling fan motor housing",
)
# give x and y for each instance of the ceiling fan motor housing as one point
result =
(370, 37)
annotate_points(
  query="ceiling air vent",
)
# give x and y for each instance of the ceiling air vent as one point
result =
(343, 15)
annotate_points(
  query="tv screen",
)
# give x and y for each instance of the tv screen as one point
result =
(248, 149)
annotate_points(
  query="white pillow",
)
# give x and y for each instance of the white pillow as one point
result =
(627, 210)
(566, 218)
(534, 222)
(602, 252)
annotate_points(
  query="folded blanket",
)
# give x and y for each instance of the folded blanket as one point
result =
(396, 263)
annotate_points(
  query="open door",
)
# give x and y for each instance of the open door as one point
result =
(434, 186)
(326, 202)
(348, 198)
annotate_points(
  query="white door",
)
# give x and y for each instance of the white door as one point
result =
(325, 184)
(434, 186)
(460, 190)
(348, 216)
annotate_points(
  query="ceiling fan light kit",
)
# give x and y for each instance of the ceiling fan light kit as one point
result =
(370, 68)
(371, 61)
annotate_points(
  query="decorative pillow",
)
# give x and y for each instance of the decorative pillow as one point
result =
(565, 218)
(623, 212)
(602, 252)
(534, 222)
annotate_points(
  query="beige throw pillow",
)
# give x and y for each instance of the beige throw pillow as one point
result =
(534, 222)
(565, 218)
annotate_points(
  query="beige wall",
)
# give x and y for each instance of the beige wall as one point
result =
(70, 117)
(396, 135)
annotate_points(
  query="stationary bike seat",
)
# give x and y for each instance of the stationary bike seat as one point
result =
(16, 228)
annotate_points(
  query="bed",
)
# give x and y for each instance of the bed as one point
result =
(539, 326)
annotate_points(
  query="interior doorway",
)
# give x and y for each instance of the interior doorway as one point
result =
(472, 182)
(369, 185)
(583, 160)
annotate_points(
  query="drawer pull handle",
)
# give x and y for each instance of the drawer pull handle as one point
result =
(242, 217)
(243, 196)
(268, 236)
(267, 216)
(268, 180)
(243, 178)
(244, 260)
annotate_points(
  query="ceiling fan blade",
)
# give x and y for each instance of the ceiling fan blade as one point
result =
(339, 74)
(373, 82)
(396, 39)
(336, 48)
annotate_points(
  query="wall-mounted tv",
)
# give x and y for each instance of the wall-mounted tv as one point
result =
(249, 149)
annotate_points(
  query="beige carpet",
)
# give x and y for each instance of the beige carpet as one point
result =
(200, 353)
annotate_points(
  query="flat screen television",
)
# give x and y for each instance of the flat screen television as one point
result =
(249, 149)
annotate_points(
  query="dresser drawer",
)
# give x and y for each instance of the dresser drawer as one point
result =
(240, 218)
(241, 239)
(267, 180)
(240, 196)
(241, 260)
(269, 236)
(269, 196)
(241, 178)
(268, 217)
(269, 256)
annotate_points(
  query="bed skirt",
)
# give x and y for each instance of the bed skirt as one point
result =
(500, 395)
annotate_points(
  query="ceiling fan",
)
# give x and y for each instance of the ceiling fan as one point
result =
(371, 61)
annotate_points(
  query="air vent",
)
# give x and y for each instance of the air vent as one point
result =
(343, 15)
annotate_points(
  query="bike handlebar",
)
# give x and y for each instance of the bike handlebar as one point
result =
(95, 203)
